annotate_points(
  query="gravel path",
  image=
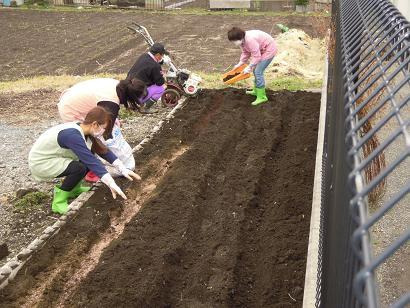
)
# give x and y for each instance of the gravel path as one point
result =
(392, 278)
(19, 227)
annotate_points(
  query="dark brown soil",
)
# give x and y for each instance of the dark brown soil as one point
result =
(225, 225)
(230, 76)
(77, 43)
(29, 107)
(4, 250)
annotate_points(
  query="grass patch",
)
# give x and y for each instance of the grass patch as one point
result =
(43, 4)
(46, 6)
(293, 84)
(238, 12)
(32, 200)
(209, 81)
(48, 82)
(214, 81)
(125, 114)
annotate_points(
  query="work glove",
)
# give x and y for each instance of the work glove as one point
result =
(247, 70)
(166, 59)
(109, 181)
(129, 174)
(239, 64)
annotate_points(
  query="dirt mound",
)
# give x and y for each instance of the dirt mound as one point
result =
(299, 55)
(223, 216)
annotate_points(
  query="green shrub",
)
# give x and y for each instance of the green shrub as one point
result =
(125, 114)
(301, 2)
(37, 3)
(32, 199)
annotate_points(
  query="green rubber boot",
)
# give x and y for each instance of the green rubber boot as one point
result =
(78, 190)
(60, 198)
(260, 97)
(251, 92)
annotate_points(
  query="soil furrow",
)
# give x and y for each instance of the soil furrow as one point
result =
(57, 43)
(269, 269)
(223, 215)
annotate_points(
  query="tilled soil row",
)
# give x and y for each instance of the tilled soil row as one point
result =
(77, 43)
(223, 217)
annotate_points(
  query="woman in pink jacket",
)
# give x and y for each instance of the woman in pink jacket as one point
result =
(258, 49)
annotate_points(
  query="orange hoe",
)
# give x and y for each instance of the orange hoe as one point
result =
(235, 75)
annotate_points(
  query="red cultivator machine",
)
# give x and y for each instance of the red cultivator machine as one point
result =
(180, 82)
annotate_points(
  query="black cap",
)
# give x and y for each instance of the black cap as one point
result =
(158, 48)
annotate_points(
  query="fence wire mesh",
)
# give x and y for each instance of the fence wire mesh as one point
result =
(364, 239)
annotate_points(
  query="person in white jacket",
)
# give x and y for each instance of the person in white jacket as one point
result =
(77, 101)
(67, 150)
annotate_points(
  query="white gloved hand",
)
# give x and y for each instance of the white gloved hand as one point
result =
(239, 64)
(109, 181)
(166, 59)
(247, 69)
(129, 174)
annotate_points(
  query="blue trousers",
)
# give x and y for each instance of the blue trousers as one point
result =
(258, 72)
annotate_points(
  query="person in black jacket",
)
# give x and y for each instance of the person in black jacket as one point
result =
(148, 69)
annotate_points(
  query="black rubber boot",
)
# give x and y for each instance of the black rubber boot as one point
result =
(148, 107)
